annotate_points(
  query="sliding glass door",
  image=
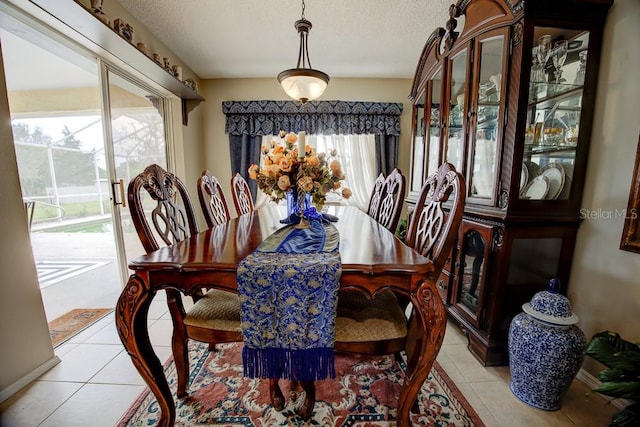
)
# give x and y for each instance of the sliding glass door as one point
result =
(82, 130)
(137, 132)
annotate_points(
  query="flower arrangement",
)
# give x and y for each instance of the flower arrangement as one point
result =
(286, 170)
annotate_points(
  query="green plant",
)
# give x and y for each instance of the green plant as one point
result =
(621, 379)
(401, 231)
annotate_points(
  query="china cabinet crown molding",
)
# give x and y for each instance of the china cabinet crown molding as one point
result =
(512, 111)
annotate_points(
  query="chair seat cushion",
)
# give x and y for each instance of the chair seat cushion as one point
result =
(360, 319)
(215, 310)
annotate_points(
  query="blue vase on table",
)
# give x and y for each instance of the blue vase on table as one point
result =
(297, 204)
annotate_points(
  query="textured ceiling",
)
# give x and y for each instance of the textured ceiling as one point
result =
(256, 38)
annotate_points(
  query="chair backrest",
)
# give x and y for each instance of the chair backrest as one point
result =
(242, 199)
(391, 200)
(432, 232)
(172, 218)
(212, 200)
(376, 195)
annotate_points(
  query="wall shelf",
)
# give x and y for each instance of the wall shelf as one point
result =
(99, 37)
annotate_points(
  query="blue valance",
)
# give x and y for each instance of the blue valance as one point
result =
(256, 118)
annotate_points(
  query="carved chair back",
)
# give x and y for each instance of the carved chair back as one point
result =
(376, 195)
(432, 232)
(242, 199)
(172, 218)
(212, 200)
(391, 200)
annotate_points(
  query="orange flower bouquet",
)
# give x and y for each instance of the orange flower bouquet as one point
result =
(285, 171)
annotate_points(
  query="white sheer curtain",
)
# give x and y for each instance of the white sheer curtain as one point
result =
(357, 155)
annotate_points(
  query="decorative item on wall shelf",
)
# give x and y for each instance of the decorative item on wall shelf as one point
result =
(177, 72)
(144, 49)
(156, 59)
(124, 29)
(96, 9)
(191, 83)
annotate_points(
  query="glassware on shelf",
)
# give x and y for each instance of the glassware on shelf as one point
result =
(543, 52)
(537, 70)
(553, 136)
(579, 79)
(559, 56)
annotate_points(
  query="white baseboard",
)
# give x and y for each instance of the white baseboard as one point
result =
(592, 382)
(27, 379)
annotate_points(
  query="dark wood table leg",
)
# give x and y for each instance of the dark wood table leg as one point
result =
(131, 322)
(429, 328)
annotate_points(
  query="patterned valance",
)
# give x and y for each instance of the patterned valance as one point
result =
(256, 118)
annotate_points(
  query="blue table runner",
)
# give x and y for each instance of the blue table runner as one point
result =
(288, 290)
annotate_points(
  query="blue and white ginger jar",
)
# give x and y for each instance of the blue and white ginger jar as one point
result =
(546, 349)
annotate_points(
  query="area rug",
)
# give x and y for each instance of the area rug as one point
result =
(364, 394)
(71, 323)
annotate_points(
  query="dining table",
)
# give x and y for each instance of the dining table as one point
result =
(373, 259)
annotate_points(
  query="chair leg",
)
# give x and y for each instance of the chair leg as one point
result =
(277, 398)
(306, 409)
(179, 341)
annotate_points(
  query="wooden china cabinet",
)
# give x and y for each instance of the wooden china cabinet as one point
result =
(506, 94)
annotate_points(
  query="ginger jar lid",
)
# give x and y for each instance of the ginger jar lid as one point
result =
(551, 306)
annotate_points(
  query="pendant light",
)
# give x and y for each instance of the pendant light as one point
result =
(303, 83)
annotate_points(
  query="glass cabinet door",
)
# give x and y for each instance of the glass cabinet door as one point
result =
(435, 93)
(418, 153)
(456, 114)
(486, 115)
(552, 135)
(471, 269)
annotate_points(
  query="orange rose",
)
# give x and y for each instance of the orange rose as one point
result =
(291, 138)
(346, 193)
(285, 164)
(253, 171)
(313, 161)
(305, 184)
(284, 183)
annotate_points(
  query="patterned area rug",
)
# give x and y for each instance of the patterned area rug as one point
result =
(69, 324)
(364, 394)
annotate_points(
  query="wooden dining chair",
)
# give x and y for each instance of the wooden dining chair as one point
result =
(376, 195)
(212, 200)
(215, 316)
(242, 199)
(391, 200)
(377, 325)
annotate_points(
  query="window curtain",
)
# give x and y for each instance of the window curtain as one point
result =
(248, 121)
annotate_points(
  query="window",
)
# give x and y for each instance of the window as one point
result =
(357, 155)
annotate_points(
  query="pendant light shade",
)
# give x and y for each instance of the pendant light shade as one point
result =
(303, 83)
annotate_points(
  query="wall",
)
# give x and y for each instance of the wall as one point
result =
(604, 288)
(216, 91)
(24, 337)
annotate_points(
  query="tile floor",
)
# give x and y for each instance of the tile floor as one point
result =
(96, 382)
